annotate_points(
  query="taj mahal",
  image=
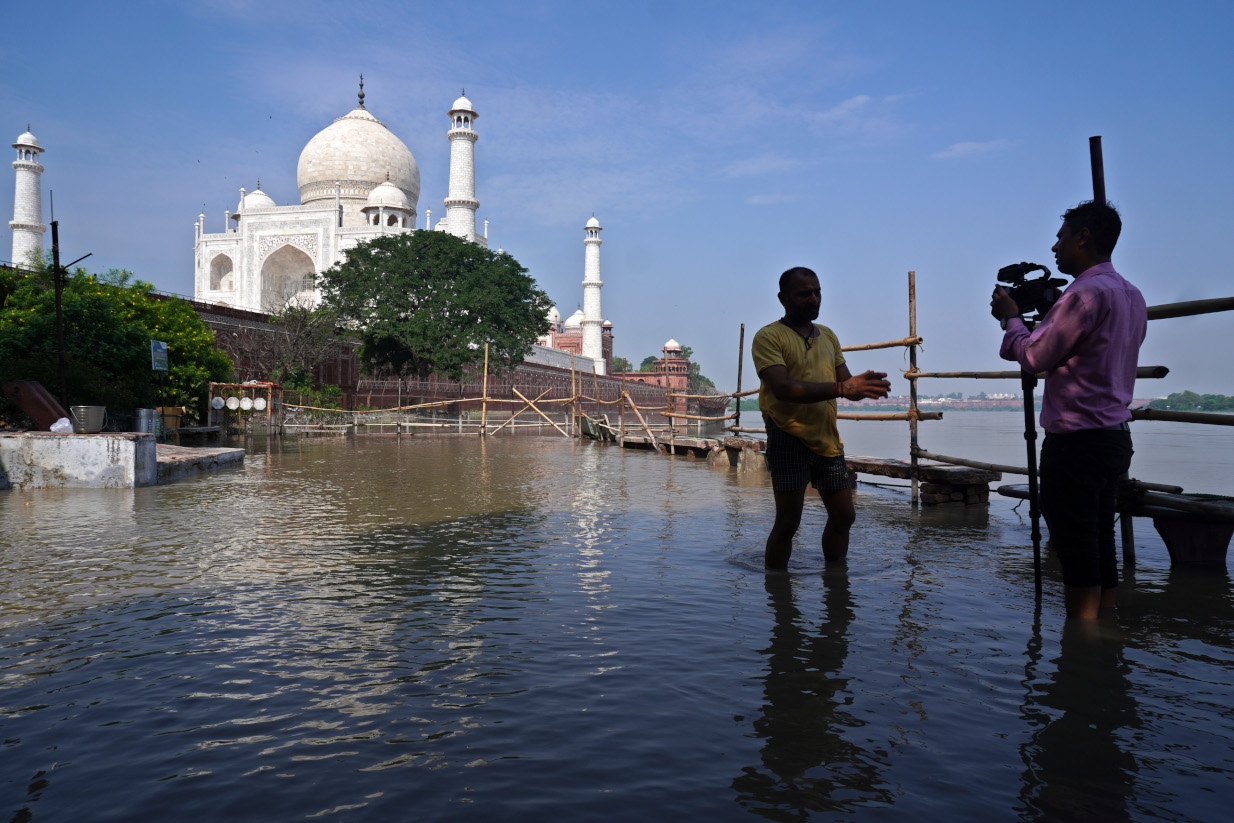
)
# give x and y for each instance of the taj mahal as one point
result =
(357, 180)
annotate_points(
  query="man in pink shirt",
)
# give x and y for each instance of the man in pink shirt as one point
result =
(1088, 345)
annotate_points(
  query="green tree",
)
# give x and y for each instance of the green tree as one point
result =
(699, 383)
(621, 364)
(426, 303)
(109, 321)
(649, 363)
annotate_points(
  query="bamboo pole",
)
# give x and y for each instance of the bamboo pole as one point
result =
(484, 396)
(1211, 418)
(677, 416)
(574, 398)
(976, 464)
(1208, 508)
(537, 410)
(646, 428)
(741, 359)
(520, 411)
(1190, 308)
(621, 414)
(739, 393)
(913, 472)
(910, 341)
(908, 415)
(1141, 373)
(669, 405)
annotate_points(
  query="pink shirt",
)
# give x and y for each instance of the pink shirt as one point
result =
(1088, 345)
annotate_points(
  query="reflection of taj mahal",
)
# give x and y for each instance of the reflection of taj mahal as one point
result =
(357, 181)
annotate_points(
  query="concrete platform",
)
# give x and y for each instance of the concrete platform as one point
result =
(40, 460)
(178, 462)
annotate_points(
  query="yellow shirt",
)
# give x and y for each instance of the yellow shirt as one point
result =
(812, 423)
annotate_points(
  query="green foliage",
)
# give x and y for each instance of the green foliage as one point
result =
(427, 303)
(109, 321)
(648, 364)
(1190, 401)
(621, 364)
(308, 337)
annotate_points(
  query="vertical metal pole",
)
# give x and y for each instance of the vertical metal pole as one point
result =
(1094, 156)
(912, 386)
(1029, 382)
(741, 356)
(57, 279)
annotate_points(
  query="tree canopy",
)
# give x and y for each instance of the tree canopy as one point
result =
(109, 321)
(1190, 401)
(426, 303)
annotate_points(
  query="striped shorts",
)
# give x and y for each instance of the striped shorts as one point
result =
(793, 465)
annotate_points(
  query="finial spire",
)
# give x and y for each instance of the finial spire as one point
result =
(463, 93)
(361, 92)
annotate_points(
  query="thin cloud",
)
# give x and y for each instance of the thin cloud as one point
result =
(972, 149)
(770, 199)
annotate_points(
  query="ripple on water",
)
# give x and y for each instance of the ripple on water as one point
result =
(526, 627)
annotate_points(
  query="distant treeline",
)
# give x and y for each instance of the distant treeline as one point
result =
(1190, 401)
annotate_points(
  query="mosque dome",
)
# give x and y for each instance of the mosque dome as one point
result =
(672, 345)
(388, 195)
(593, 223)
(607, 325)
(256, 199)
(358, 152)
(462, 104)
(27, 139)
(554, 316)
(575, 321)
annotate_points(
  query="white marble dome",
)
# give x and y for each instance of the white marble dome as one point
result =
(672, 345)
(357, 151)
(26, 139)
(388, 195)
(575, 321)
(462, 104)
(256, 199)
(593, 223)
(554, 316)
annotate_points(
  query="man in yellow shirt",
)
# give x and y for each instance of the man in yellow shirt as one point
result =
(803, 372)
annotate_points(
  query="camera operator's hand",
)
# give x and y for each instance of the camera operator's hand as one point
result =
(1002, 306)
(866, 384)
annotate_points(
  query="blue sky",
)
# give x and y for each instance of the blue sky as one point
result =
(717, 143)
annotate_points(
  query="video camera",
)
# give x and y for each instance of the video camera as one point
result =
(1032, 296)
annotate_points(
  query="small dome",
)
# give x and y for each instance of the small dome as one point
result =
(607, 325)
(575, 321)
(27, 139)
(554, 316)
(463, 104)
(388, 195)
(256, 199)
(593, 223)
(672, 345)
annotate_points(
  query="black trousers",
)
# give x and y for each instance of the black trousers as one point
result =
(1079, 489)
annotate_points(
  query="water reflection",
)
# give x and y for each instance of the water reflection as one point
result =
(1078, 765)
(809, 763)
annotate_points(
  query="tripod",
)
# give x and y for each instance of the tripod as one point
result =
(1028, 382)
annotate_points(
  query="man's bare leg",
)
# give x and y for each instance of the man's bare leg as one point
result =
(788, 520)
(841, 515)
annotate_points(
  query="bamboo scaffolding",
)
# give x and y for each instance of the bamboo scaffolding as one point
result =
(537, 411)
(908, 415)
(1141, 373)
(520, 411)
(1210, 418)
(1190, 308)
(741, 353)
(911, 340)
(646, 428)
(975, 464)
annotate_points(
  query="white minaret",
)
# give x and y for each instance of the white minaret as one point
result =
(461, 202)
(27, 222)
(593, 345)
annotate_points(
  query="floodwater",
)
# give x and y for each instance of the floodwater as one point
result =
(529, 629)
